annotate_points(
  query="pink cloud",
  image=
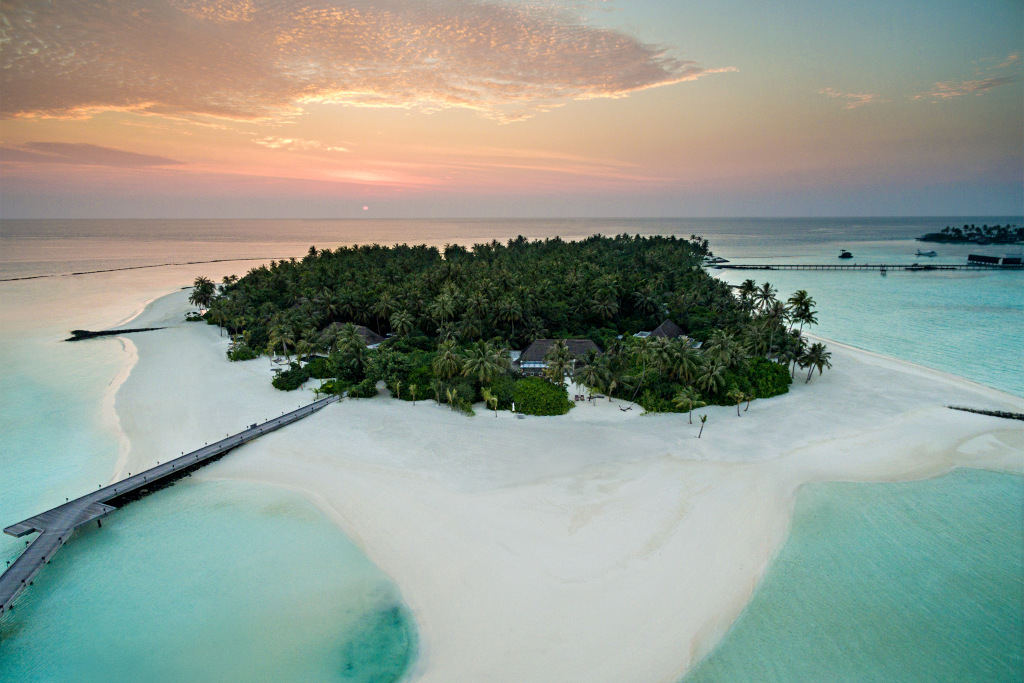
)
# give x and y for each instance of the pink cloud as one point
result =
(852, 100)
(81, 154)
(247, 60)
(987, 80)
(946, 90)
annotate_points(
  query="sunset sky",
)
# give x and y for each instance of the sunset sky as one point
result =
(455, 108)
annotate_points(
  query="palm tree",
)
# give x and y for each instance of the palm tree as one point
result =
(816, 357)
(689, 398)
(765, 295)
(303, 348)
(412, 392)
(283, 336)
(436, 386)
(615, 378)
(605, 308)
(384, 306)
(559, 362)
(685, 363)
(510, 311)
(398, 389)
(703, 419)
(452, 396)
(711, 378)
(801, 308)
(750, 397)
(793, 350)
(203, 291)
(722, 348)
(592, 374)
(736, 395)
(491, 400)
(774, 315)
(484, 361)
(448, 361)
(746, 291)
(351, 344)
(402, 322)
(442, 308)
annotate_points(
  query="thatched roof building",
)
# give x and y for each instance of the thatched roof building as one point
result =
(370, 337)
(668, 329)
(531, 361)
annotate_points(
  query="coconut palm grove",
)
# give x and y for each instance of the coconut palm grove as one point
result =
(444, 324)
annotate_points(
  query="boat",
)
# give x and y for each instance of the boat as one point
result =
(713, 260)
(930, 252)
(845, 254)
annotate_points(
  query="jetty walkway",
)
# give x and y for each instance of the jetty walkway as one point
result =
(56, 526)
(864, 266)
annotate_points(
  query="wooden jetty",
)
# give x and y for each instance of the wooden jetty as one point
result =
(923, 267)
(56, 526)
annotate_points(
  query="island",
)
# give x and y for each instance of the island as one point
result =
(514, 326)
(972, 234)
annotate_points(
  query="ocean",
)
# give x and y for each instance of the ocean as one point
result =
(129, 610)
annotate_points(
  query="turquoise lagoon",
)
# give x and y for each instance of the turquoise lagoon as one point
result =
(212, 581)
(229, 580)
(914, 581)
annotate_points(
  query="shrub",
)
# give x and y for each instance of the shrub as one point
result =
(241, 352)
(319, 368)
(503, 387)
(291, 379)
(768, 378)
(365, 389)
(536, 396)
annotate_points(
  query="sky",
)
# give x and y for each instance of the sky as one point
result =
(550, 108)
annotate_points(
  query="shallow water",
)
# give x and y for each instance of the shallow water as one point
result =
(222, 581)
(213, 581)
(968, 323)
(916, 581)
(219, 581)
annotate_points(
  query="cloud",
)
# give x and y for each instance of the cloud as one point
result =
(852, 100)
(248, 60)
(297, 144)
(81, 154)
(947, 90)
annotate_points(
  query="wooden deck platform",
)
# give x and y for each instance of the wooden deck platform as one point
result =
(56, 526)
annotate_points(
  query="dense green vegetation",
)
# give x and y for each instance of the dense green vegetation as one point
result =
(536, 396)
(986, 234)
(451, 317)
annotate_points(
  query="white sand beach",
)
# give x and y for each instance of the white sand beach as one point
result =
(599, 546)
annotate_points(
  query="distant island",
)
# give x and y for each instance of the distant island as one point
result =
(972, 234)
(630, 317)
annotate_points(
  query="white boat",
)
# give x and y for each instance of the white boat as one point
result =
(927, 253)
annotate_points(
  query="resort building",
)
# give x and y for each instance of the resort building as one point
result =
(668, 330)
(531, 360)
(370, 338)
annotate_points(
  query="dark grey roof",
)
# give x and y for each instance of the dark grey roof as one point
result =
(668, 329)
(369, 336)
(536, 351)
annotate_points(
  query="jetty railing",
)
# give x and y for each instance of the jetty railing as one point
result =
(55, 526)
